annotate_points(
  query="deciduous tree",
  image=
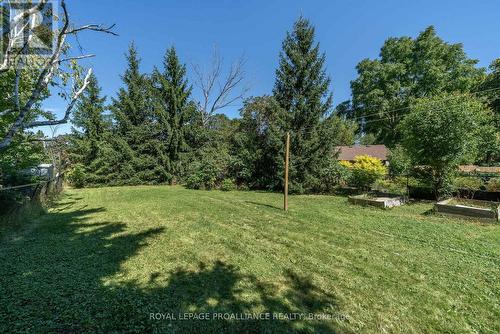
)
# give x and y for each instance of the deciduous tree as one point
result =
(441, 132)
(408, 69)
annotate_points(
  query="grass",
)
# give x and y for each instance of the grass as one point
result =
(473, 203)
(103, 260)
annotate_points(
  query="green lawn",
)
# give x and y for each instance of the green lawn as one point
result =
(103, 260)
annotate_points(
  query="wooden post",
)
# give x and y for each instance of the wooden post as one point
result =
(287, 160)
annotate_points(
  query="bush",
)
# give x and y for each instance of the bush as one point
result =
(194, 181)
(228, 185)
(203, 177)
(366, 171)
(243, 187)
(77, 176)
(441, 185)
(391, 187)
(336, 174)
(493, 185)
(468, 185)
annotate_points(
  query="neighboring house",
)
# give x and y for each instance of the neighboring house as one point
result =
(349, 153)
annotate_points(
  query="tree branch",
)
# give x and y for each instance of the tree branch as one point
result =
(68, 109)
(76, 58)
(218, 92)
(93, 27)
(8, 57)
(45, 77)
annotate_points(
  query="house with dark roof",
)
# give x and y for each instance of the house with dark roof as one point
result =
(349, 153)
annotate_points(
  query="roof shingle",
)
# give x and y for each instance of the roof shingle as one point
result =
(350, 153)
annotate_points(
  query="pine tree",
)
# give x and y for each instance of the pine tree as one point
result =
(136, 121)
(90, 122)
(302, 89)
(258, 145)
(129, 108)
(175, 110)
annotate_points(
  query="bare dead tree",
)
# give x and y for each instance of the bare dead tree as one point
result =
(219, 89)
(50, 69)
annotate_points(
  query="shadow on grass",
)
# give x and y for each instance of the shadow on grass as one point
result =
(54, 269)
(265, 205)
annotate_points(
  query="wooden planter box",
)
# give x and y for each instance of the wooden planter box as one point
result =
(379, 202)
(467, 211)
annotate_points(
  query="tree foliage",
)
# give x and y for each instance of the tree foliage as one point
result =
(159, 133)
(258, 147)
(90, 124)
(408, 69)
(443, 131)
(302, 90)
(136, 123)
(366, 171)
(174, 110)
(491, 88)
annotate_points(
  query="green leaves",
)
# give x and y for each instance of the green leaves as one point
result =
(409, 69)
(443, 131)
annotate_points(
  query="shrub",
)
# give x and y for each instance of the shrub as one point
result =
(493, 185)
(366, 171)
(77, 176)
(468, 185)
(243, 187)
(194, 181)
(228, 185)
(11, 200)
(203, 177)
(334, 175)
(345, 164)
(389, 186)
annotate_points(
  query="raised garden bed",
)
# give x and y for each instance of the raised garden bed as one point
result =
(469, 209)
(377, 201)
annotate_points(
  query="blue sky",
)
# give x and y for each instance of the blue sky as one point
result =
(347, 31)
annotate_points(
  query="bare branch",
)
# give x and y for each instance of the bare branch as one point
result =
(219, 92)
(43, 140)
(17, 80)
(70, 107)
(93, 27)
(45, 77)
(76, 58)
(8, 56)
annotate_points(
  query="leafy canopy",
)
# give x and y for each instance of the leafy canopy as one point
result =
(443, 131)
(408, 69)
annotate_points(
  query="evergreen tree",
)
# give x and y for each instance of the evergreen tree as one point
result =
(90, 123)
(129, 108)
(258, 145)
(136, 120)
(302, 90)
(174, 109)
